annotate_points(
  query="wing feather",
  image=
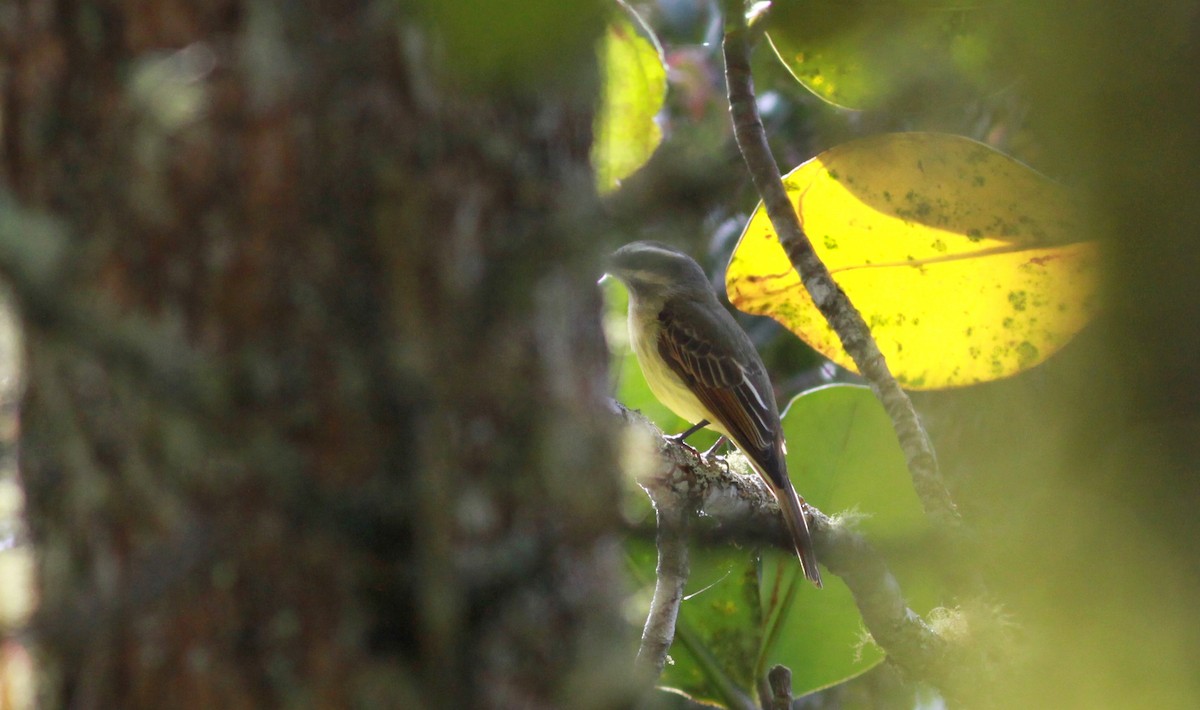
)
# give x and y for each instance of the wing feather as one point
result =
(703, 351)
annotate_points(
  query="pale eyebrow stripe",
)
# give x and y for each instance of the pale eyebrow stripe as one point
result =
(660, 250)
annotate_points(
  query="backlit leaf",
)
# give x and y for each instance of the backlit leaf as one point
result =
(634, 85)
(967, 265)
(903, 55)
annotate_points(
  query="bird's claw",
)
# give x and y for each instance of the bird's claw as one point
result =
(712, 450)
(708, 460)
(705, 457)
(677, 439)
(711, 453)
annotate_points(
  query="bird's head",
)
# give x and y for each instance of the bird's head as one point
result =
(650, 269)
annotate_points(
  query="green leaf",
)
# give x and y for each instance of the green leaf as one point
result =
(843, 456)
(634, 81)
(719, 630)
(527, 43)
(905, 55)
(821, 636)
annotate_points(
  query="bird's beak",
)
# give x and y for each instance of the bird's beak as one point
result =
(610, 269)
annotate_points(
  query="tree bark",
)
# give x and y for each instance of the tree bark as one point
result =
(314, 410)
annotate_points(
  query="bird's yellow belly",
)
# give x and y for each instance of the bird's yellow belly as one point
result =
(667, 387)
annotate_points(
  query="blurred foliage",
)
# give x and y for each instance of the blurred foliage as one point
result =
(17, 584)
(512, 42)
(903, 56)
(633, 85)
(958, 257)
(1078, 476)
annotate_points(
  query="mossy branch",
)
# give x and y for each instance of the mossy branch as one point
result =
(740, 507)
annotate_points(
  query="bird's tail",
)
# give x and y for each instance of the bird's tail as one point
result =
(797, 525)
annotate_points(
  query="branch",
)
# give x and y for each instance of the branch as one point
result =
(829, 298)
(736, 506)
(671, 576)
(779, 688)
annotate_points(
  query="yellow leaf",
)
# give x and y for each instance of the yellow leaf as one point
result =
(634, 82)
(966, 264)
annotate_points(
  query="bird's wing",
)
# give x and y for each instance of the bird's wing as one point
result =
(700, 345)
(715, 358)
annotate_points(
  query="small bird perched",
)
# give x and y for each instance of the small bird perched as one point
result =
(701, 364)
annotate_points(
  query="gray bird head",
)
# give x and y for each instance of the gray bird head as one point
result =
(652, 269)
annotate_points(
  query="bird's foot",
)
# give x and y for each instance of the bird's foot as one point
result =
(711, 453)
(678, 440)
(706, 457)
(712, 450)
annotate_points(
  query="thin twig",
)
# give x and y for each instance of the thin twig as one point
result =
(829, 298)
(779, 686)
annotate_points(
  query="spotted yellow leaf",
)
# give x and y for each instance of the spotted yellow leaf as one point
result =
(967, 265)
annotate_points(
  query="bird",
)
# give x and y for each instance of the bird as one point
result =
(699, 362)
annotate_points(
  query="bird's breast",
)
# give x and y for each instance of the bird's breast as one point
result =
(668, 387)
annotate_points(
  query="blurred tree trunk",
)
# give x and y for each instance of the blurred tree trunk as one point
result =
(314, 410)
